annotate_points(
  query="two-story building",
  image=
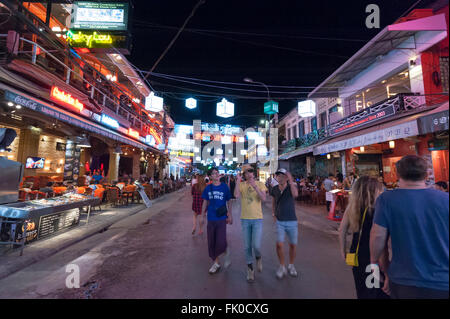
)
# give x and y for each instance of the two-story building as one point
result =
(388, 100)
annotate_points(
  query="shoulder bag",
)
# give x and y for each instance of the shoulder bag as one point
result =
(352, 258)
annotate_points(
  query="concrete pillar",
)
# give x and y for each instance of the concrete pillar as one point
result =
(344, 163)
(28, 146)
(113, 171)
(308, 165)
(136, 166)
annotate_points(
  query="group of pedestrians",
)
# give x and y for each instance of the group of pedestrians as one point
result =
(400, 238)
(212, 202)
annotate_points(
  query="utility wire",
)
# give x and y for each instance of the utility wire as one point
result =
(176, 36)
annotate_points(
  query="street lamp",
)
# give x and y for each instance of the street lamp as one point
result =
(248, 80)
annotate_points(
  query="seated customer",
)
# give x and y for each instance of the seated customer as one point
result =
(93, 185)
(48, 189)
(97, 177)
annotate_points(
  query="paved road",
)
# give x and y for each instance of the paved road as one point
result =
(155, 256)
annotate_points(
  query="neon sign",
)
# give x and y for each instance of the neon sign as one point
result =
(155, 134)
(67, 98)
(133, 133)
(109, 121)
(88, 40)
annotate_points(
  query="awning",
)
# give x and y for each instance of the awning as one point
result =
(297, 152)
(434, 122)
(387, 40)
(387, 131)
(60, 114)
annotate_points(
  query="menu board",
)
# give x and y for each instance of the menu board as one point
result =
(53, 223)
(32, 232)
(72, 163)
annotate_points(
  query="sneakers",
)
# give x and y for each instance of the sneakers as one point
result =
(292, 271)
(281, 272)
(259, 264)
(250, 275)
(227, 260)
(214, 268)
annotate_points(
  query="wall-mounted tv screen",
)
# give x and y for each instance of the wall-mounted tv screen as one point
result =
(35, 162)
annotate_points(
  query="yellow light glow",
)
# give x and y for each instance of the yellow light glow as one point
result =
(58, 170)
(361, 149)
(391, 144)
(61, 161)
(328, 156)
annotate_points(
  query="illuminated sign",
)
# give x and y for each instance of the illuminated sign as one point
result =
(150, 140)
(270, 107)
(89, 39)
(99, 16)
(133, 133)
(109, 121)
(363, 120)
(186, 129)
(182, 153)
(67, 98)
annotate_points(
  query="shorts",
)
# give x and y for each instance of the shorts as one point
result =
(287, 227)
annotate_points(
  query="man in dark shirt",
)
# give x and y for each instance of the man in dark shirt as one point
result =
(416, 218)
(283, 211)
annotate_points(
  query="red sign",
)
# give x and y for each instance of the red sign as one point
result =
(67, 98)
(133, 133)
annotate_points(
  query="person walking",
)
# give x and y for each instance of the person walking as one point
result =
(358, 219)
(417, 220)
(217, 207)
(197, 203)
(283, 212)
(252, 194)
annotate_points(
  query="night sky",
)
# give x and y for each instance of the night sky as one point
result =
(229, 57)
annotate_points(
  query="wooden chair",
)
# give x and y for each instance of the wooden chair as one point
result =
(149, 191)
(128, 193)
(113, 196)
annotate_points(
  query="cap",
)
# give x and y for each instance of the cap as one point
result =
(281, 171)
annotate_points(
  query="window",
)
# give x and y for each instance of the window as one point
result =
(301, 128)
(288, 134)
(333, 109)
(323, 119)
(314, 124)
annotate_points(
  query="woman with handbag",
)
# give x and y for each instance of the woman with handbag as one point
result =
(358, 219)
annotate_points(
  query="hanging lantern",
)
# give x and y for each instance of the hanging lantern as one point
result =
(307, 108)
(191, 103)
(225, 109)
(154, 103)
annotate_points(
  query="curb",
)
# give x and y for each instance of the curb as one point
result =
(27, 260)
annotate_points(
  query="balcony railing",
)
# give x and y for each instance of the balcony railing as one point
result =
(401, 103)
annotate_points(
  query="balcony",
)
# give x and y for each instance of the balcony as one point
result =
(400, 105)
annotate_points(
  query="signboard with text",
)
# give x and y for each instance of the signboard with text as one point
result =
(90, 15)
(387, 134)
(370, 118)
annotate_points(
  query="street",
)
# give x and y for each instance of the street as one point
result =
(153, 255)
